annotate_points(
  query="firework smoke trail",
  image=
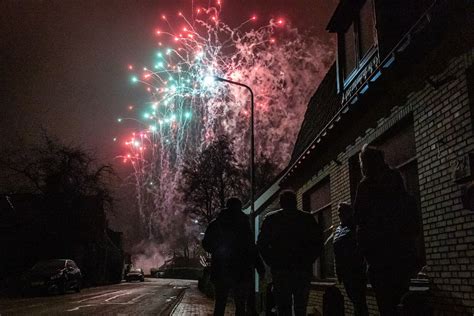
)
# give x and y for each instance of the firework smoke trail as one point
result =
(187, 110)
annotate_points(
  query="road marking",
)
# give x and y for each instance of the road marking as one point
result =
(131, 302)
(118, 295)
(98, 304)
(84, 295)
(171, 298)
(107, 301)
(77, 308)
(97, 296)
(134, 300)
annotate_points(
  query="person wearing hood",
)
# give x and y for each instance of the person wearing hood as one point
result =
(234, 256)
(385, 216)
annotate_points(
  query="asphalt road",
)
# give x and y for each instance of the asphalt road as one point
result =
(152, 297)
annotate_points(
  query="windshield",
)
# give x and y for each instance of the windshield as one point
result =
(136, 271)
(49, 265)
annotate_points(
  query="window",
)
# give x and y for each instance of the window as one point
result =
(318, 202)
(350, 55)
(366, 28)
(358, 38)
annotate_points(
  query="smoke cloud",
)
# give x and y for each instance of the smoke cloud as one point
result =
(187, 111)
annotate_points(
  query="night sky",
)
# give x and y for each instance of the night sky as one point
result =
(63, 63)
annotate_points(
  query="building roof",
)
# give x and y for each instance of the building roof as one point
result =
(417, 44)
(323, 106)
(342, 15)
(325, 109)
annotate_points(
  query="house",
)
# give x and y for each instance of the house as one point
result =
(403, 80)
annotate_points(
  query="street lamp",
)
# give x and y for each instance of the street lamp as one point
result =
(210, 79)
(207, 81)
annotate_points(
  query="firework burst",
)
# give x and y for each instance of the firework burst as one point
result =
(186, 110)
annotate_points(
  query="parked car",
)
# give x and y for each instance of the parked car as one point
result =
(135, 274)
(55, 275)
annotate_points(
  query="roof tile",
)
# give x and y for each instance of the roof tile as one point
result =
(323, 106)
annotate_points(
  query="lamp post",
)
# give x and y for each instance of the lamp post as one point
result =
(252, 148)
(252, 297)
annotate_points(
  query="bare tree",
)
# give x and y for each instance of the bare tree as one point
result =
(265, 172)
(214, 175)
(210, 178)
(52, 168)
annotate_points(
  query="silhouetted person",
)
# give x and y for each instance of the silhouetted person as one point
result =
(229, 239)
(350, 265)
(290, 241)
(385, 219)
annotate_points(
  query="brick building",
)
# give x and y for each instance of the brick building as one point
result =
(403, 81)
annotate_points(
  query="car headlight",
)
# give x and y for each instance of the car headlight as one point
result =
(57, 276)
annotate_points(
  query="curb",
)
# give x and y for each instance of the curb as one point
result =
(172, 307)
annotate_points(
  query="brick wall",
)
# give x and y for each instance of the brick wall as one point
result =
(443, 134)
(315, 302)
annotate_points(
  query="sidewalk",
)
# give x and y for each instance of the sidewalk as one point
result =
(194, 303)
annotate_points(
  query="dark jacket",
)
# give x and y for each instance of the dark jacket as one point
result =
(385, 216)
(289, 240)
(229, 239)
(349, 260)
